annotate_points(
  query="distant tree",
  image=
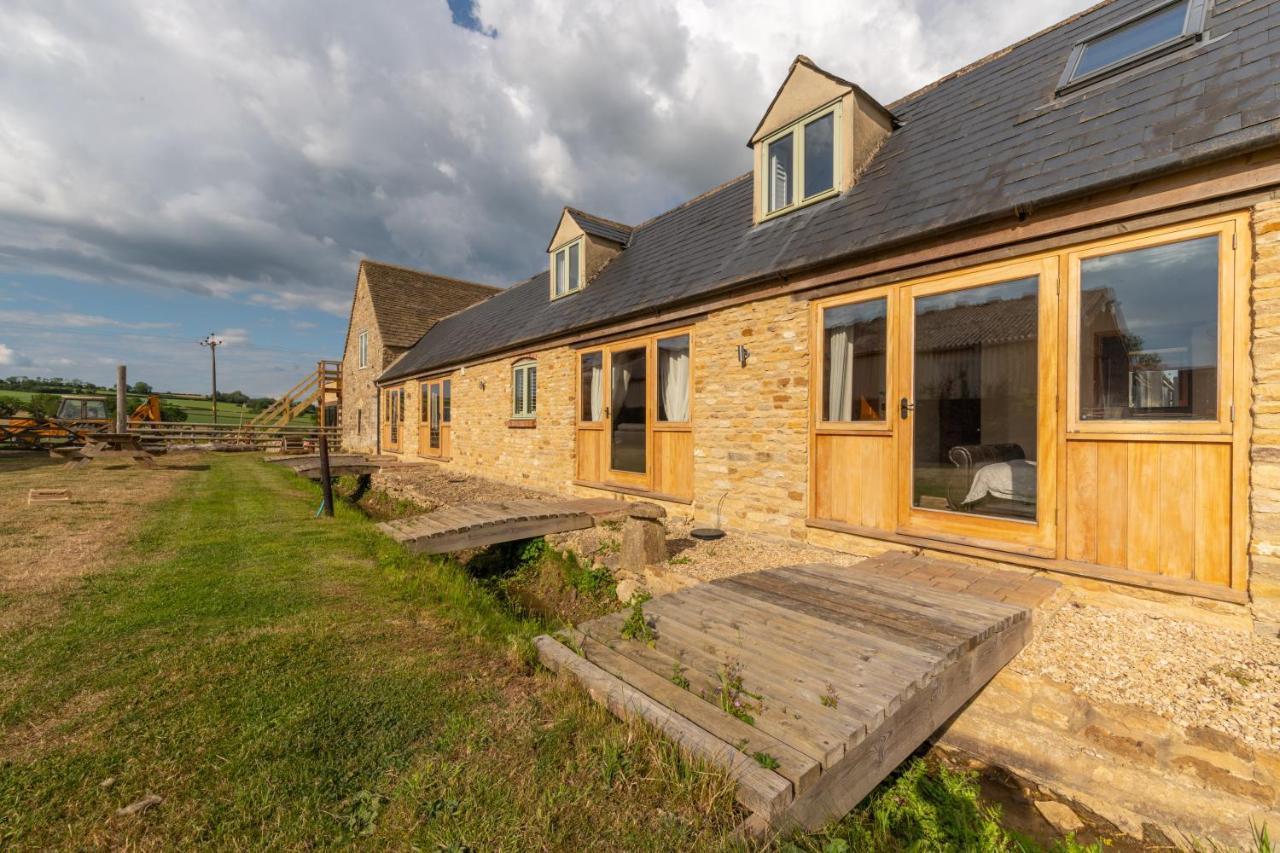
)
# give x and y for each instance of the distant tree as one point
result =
(10, 406)
(170, 412)
(140, 388)
(44, 405)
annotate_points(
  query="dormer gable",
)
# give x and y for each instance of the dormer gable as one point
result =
(583, 244)
(817, 135)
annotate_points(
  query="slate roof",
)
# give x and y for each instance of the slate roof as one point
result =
(406, 303)
(974, 147)
(598, 226)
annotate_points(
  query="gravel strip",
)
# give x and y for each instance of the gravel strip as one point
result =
(433, 487)
(1189, 673)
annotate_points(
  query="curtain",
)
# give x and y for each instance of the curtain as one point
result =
(597, 392)
(621, 381)
(673, 372)
(840, 376)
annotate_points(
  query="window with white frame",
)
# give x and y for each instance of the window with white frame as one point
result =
(800, 162)
(524, 389)
(566, 269)
(364, 349)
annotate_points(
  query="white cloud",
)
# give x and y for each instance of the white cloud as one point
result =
(72, 320)
(10, 357)
(233, 337)
(256, 150)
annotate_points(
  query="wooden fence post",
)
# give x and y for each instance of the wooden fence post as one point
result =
(326, 483)
(122, 401)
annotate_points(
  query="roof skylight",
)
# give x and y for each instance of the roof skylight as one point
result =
(1151, 33)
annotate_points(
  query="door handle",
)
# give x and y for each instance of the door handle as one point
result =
(905, 407)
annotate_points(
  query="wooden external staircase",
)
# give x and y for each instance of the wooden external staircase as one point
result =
(836, 674)
(321, 389)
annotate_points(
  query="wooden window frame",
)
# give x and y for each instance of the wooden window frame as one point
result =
(363, 349)
(818, 346)
(1225, 231)
(1235, 394)
(617, 480)
(520, 374)
(581, 243)
(764, 180)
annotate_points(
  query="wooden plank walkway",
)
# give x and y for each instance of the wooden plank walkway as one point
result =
(844, 671)
(476, 525)
(341, 464)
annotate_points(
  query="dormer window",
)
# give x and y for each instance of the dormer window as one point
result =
(801, 162)
(1137, 39)
(566, 269)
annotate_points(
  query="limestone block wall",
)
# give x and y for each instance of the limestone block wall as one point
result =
(485, 441)
(1135, 768)
(359, 416)
(750, 427)
(1264, 481)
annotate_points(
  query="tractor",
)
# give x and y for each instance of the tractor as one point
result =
(78, 416)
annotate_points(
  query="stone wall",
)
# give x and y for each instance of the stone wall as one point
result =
(359, 415)
(483, 438)
(1138, 770)
(751, 443)
(1264, 480)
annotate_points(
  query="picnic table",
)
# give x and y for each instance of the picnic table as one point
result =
(107, 445)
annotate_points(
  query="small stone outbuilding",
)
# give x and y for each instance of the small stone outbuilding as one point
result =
(391, 309)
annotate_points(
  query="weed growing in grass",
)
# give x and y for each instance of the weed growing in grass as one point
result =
(767, 761)
(677, 676)
(680, 560)
(614, 762)
(362, 813)
(636, 626)
(830, 698)
(734, 698)
(585, 577)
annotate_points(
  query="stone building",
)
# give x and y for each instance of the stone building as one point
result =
(391, 309)
(1024, 316)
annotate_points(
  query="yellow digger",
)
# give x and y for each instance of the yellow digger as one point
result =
(78, 415)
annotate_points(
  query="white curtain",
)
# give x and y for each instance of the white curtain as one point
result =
(597, 392)
(673, 371)
(840, 378)
(621, 381)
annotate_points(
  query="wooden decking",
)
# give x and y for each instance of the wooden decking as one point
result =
(340, 464)
(473, 526)
(844, 671)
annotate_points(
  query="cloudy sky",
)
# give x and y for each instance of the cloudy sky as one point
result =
(173, 168)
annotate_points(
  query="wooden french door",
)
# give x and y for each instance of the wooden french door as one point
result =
(628, 415)
(393, 419)
(977, 379)
(434, 425)
(635, 415)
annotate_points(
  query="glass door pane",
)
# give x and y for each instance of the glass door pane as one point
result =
(975, 379)
(434, 419)
(629, 397)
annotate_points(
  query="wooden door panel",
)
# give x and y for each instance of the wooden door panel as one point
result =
(1150, 506)
(854, 480)
(673, 462)
(591, 451)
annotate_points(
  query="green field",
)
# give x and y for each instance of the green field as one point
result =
(198, 411)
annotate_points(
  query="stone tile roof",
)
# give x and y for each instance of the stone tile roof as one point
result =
(598, 226)
(975, 147)
(408, 302)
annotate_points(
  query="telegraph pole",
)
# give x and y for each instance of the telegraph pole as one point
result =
(213, 342)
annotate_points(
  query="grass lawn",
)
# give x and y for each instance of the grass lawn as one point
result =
(287, 682)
